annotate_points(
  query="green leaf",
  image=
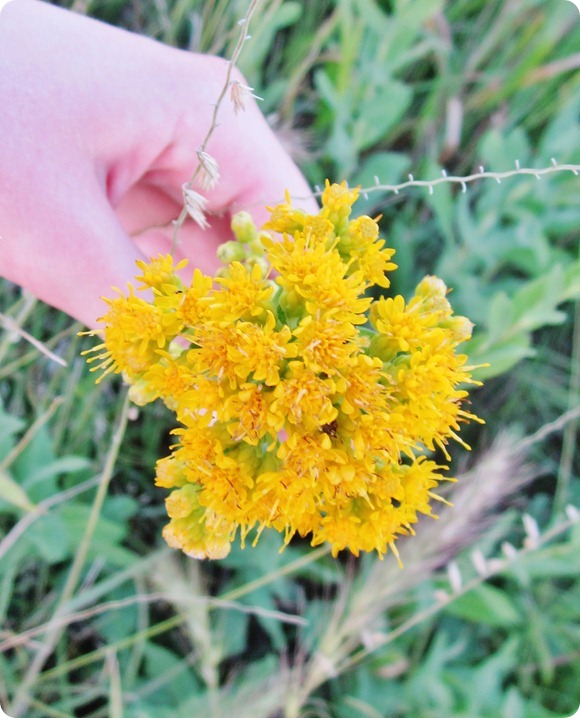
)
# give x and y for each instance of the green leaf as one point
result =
(231, 632)
(183, 686)
(9, 426)
(500, 357)
(534, 303)
(513, 706)
(380, 112)
(37, 455)
(49, 536)
(561, 560)
(262, 39)
(572, 281)
(500, 318)
(500, 151)
(326, 89)
(106, 538)
(64, 465)
(488, 605)
(120, 508)
(12, 493)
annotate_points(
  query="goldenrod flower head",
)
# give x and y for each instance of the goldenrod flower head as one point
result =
(160, 274)
(246, 413)
(337, 201)
(245, 294)
(303, 398)
(193, 302)
(135, 329)
(286, 218)
(261, 351)
(170, 473)
(364, 390)
(215, 342)
(167, 378)
(325, 343)
(294, 413)
(193, 528)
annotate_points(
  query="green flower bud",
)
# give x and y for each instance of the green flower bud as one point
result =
(243, 227)
(231, 251)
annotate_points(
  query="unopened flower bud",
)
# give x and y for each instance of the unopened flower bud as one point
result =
(243, 227)
(461, 328)
(433, 291)
(231, 252)
(431, 286)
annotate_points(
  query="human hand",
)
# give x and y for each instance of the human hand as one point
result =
(99, 132)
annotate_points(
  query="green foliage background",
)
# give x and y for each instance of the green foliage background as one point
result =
(107, 621)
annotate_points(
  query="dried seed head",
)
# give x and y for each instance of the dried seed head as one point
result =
(195, 205)
(209, 174)
(454, 576)
(509, 550)
(532, 531)
(239, 94)
(572, 512)
(479, 562)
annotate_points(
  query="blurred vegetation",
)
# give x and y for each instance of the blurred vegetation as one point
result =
(100, 619)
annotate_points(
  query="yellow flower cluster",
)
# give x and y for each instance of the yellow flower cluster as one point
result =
(294, 413)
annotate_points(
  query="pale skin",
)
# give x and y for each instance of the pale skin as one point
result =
(98, 132)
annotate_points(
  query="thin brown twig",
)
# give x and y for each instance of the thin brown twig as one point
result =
(65, 620)
(552, 427)
(11, 326)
